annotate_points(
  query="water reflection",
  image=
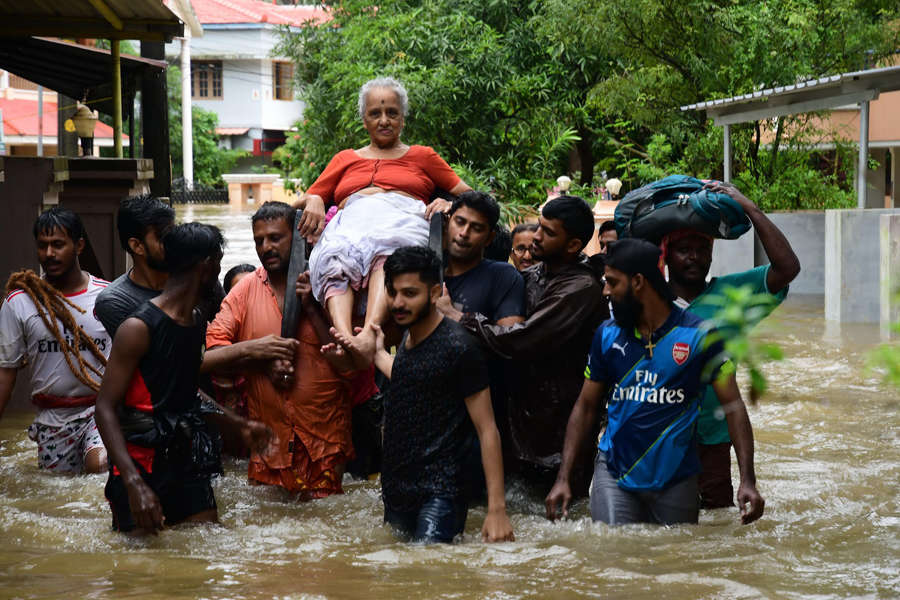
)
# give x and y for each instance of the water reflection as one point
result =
(827, 461)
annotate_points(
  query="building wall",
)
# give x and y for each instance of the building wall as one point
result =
(247, 87)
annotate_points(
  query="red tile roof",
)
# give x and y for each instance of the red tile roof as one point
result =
(214, 12)
(20, 117)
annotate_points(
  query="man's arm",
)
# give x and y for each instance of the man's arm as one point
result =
(562, 311)
(234, 357)
(7, 383)
(256, 435)
(384, 362)
(131, 343)
(785, 266)
(497, 527)
(445, 305)
(741, 433)
(583, 417)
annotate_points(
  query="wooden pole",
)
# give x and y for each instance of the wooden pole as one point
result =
(117, 98)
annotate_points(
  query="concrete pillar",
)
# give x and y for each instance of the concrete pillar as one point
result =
(889, 280)
(852, 265)
(726, 162)
(187, 126)
(875, 179)
(863, 159)
(895, 173)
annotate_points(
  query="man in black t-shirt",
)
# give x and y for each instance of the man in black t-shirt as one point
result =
(474, 284)
(439, 390)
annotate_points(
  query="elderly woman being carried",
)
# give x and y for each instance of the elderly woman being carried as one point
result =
(382, 191)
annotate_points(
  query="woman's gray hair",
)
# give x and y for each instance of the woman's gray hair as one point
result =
(383, 82)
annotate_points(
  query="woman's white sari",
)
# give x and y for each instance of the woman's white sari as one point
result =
(368, 226)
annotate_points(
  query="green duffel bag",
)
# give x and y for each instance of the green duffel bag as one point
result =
(679, 202)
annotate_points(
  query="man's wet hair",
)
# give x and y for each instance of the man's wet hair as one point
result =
(576, 216)
(274, 210)
(188, 244)
(606, 226)
(501, 246)
(523, 227)
(481, 202)
(413, 259)
(139, 214)
(235, 270)
(63, 218)
(633, 256)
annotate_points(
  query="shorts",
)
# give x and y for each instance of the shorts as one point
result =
(63, 449)
(181, 496)
(678, 503)
(437, 521)
(716, 490)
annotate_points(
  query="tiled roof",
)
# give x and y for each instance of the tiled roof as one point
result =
(220, 12)
(20, 117)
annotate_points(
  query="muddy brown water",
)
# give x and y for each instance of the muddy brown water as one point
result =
(827, 461)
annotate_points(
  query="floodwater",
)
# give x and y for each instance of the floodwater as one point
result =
(826, 458)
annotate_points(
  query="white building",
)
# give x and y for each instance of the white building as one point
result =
(235, 75)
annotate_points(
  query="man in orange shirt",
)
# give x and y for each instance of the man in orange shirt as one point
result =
(292, 388)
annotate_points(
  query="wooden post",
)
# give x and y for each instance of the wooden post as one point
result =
(155, 121)
(117, 97)
(66, 141)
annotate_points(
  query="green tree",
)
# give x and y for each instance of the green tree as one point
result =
(210, 161)
(663, 54)
(484, 91)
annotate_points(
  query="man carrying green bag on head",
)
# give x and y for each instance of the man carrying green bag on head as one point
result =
(688, 255)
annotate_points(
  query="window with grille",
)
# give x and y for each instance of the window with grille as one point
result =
(206, 80)
(282, 80)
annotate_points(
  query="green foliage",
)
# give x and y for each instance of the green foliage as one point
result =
(484, 91)
(739, 310)
(663, 54)
(886, 357)
(210, 161)
(515, 89)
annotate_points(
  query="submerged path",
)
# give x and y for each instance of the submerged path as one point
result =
(828, 462)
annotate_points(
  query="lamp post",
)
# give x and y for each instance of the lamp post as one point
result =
(85, 120)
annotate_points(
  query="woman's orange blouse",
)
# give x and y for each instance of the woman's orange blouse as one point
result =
(417, 173)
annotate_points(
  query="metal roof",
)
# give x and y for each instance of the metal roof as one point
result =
(109, 19)
(806, 96)
(77, 71)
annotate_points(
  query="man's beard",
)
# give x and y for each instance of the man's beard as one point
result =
(281, 267)
(157, 264)
(627, 312)
(424, 313)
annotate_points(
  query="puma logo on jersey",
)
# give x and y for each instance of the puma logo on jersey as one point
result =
(621, 349)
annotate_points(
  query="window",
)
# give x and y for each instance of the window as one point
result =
(283, 80)
(206, 80)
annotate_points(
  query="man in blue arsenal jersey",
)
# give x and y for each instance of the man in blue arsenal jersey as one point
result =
(650, 365)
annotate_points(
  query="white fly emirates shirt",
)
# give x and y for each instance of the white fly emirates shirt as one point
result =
(25, 339)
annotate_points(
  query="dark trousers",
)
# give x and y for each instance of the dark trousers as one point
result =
(678, 503)
(437, 520)
(716, 490)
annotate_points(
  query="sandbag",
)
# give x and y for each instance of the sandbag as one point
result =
(678, 202)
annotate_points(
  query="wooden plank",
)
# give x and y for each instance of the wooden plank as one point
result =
(436, 239)
(290, 318)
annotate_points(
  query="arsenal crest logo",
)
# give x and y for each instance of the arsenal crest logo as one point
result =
(680, 352)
